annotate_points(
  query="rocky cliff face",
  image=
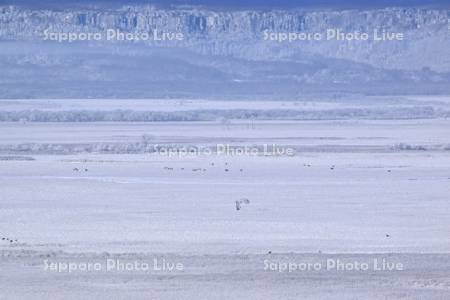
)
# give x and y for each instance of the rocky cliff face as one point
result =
(241, 33)
(227, 52)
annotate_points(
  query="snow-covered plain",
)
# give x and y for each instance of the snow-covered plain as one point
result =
(354, 190)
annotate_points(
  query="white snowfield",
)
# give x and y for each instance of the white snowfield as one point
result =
(360, 210)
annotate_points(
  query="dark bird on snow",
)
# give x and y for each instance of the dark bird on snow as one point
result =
(240, 202)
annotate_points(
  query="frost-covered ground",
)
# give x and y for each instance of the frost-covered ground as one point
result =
(354, 191)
